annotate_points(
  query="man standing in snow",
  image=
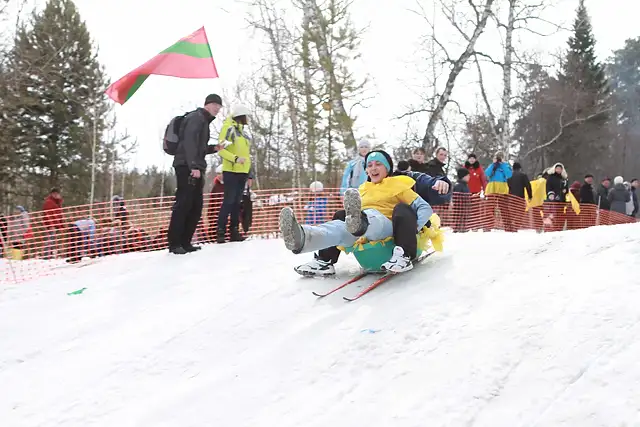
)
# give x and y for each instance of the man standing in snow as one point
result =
(587, 195)
(190, 166)
(435, 166)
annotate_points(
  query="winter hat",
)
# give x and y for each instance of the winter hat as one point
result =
(316, 186)
(21, 208)
(219, 169)
(364, 143)
(618, 180)
(240, 110)
(472, 156)
(382, 157)
(462, 172)
(517, 166)
(403, 166)
(213, 99)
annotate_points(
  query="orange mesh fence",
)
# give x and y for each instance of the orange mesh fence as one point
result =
(50, 241)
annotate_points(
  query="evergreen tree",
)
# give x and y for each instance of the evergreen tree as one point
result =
(58, 104)
(584, 97)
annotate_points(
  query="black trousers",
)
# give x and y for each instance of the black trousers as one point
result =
(233, 189)
(405, 228)
(187, 208)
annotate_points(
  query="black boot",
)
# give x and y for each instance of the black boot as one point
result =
(177, 250)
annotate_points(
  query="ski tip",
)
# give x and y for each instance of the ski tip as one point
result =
(317, 294)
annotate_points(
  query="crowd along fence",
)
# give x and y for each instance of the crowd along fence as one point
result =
(54, 241)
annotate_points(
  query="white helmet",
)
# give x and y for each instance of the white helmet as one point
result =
(240, 110)
(316, 186)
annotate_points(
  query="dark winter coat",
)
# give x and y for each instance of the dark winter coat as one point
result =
(423, 186)
(587, 196)
(634, 196)
(603, 197)
(559, 186)
(418, 167)
(194, 141)
(518, 183)
(461, 187)
(434, 168)
(618, 198)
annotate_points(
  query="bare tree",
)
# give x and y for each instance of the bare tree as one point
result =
(521, 15)
(477, 23)
(318, 31)
(280, 39)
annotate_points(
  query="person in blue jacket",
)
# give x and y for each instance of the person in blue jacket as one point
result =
(354, 174)
(434, 190)
(498, 173)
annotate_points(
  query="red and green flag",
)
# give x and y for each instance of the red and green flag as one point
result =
(189, 58)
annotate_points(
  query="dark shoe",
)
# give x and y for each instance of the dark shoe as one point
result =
(220, 238)
(73, 260)
(237, 237)
(191, 248)
(292, 233)
(178, 250)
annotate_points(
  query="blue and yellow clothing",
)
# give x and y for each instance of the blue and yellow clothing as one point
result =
(384, 196)
(497, 174)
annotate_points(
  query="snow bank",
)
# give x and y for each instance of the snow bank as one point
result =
(500, 330)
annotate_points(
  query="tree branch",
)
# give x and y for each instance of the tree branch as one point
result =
(563, 126)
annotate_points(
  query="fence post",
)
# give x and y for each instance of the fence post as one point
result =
(9, 261)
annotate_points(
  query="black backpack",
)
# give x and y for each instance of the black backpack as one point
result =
(172, 135)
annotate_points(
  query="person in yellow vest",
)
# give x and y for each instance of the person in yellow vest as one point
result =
(384, 206)
(236, 166)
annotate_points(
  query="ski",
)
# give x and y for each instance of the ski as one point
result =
(348, 282)
(383, 279)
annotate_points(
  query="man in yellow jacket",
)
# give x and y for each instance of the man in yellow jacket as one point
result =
(384, 206)
(236, 165)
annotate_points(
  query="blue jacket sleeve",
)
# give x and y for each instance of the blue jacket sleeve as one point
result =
(423, 211)
(345, 178)
(430, 195)
(488, 171)
(508, 172)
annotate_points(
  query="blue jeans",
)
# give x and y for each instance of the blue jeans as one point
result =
(334, 233)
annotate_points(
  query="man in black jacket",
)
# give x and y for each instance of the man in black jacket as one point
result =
(602, 196)
(518, 184)
(190, 167)
(587, 196)
(435, 166)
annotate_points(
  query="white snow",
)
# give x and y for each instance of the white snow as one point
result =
(499, 330)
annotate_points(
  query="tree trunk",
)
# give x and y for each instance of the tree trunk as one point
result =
(313, 14)
(458, 65)
(507, 68)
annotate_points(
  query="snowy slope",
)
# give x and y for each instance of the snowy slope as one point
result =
(500, 330)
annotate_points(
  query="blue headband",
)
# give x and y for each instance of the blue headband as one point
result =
(379, 157)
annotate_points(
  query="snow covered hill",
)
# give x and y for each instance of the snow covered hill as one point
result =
(499, 330)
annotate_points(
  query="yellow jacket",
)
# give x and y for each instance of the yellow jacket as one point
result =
(236, 145)
(385, 195)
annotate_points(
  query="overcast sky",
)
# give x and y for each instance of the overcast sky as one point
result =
(131, 32)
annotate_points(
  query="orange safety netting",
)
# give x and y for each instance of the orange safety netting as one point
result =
(45, 246)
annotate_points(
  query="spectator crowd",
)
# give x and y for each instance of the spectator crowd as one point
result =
(231, 201)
